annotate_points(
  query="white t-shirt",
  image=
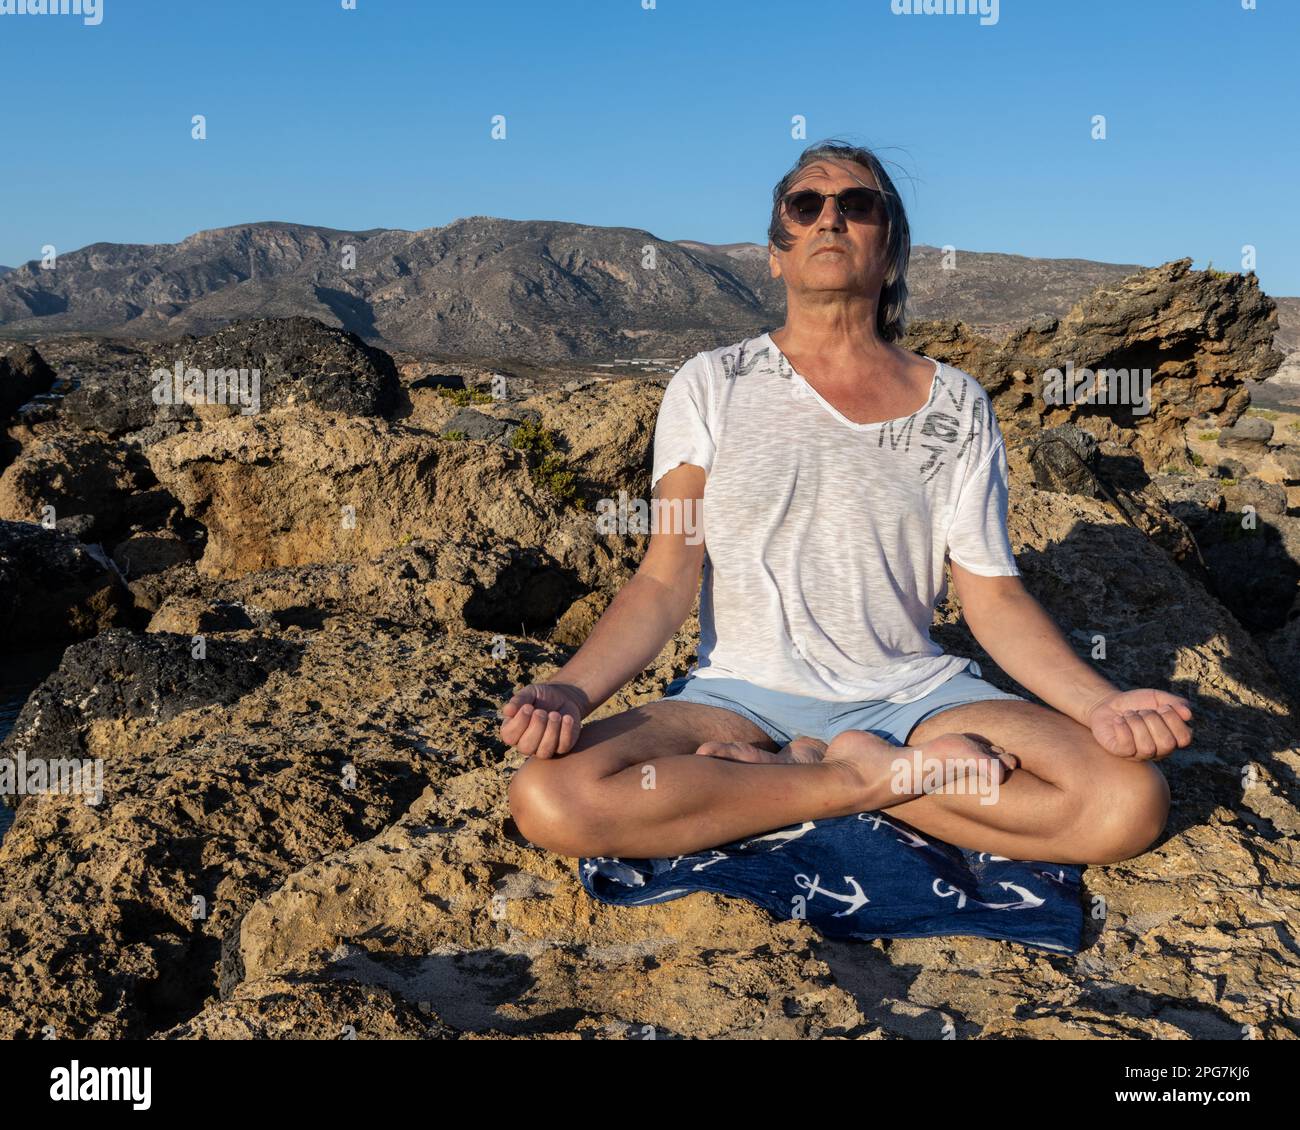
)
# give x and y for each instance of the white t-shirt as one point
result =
(825, 539)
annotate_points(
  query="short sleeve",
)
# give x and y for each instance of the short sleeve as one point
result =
(682, 430)
(977, 535)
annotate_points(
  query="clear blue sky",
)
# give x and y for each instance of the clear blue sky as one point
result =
(676, 120)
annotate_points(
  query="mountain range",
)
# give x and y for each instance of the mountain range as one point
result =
(532, 291)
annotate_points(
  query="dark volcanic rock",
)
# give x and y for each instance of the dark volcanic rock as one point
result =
(122, 674)
(302, 361)
(53, 589)
(1250, 432)
(23, 374)
(1065, 459)
(115, 387)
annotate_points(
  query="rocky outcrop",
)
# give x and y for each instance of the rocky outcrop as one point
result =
(292, 488)
(70, 475)
(287, 488)
(1202, 335)
(222, 775)
(23, 375)
(301, 361)
(53, 589)
(486, 586)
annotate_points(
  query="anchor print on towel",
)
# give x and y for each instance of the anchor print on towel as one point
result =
(856, 899)
(1028, 900)
(780, 838)
(614, 867)
(911, 839)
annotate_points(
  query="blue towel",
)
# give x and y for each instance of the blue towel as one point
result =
(864, 876)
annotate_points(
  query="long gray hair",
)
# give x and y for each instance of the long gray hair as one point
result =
(891, 313)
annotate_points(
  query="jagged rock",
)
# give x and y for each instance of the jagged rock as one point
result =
(1231, 469)
(311, 1006)
(1250, 432)
(579, 619)
(608, 433)
(147, 437)
(222, 776)
(53, 589)
(1288, 459)
(116, 386)
(275, 490)
(75, 474)
(112, 387)
(23, 375)
(141, 554)
(450, 585)
(150, 591)
(1064, 458)
(301, 361)
(475, 425)
(1202, 335)
(1266, 498)
(189, 616)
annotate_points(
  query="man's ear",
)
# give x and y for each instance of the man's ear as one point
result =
(773, 264)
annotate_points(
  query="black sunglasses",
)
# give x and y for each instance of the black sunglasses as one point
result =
(860, 205)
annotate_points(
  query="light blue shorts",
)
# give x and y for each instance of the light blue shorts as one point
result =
(785, 716)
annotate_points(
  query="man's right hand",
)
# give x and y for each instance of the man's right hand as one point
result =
(543, 719)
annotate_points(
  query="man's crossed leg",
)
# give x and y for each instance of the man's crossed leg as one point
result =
(671, 778)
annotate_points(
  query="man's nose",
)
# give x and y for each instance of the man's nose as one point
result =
(830, 216)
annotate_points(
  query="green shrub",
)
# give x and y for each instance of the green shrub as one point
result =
(464, 397)
(531, 437)
(1263, 413)
(454, 435)
(1207, 437)
(545, 464)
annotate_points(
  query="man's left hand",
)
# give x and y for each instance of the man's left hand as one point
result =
(1141, 724)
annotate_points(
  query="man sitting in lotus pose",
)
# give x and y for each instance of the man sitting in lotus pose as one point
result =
(838, 471)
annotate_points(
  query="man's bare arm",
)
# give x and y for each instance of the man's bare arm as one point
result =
(651, 606)
(1022, 639)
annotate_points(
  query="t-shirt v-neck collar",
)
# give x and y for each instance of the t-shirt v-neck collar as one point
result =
(934, 384)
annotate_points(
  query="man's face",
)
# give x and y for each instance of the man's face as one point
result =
(857, 261)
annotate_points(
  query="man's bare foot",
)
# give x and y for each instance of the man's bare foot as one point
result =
(800, 751)
(891, 774)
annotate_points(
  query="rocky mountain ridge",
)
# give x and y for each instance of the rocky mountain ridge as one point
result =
(538, 291)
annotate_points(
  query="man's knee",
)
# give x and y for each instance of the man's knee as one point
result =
(1130, 813)
(552, 807)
